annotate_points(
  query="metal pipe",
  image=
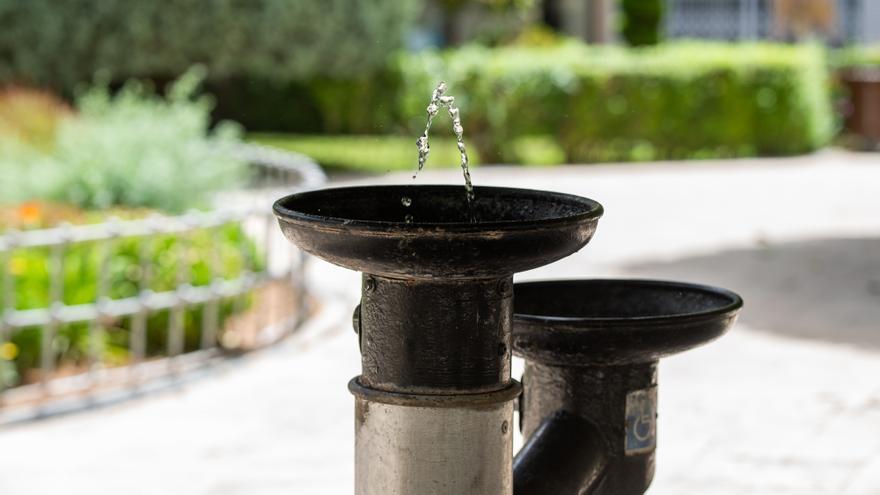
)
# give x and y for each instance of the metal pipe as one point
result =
(438, 336)
(435, 372)
(565, 454)
(621, 403)
(437, 444)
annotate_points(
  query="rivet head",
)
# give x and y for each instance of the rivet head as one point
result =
(502, 349)
(504, 286)
(370, 284)
(504, 428)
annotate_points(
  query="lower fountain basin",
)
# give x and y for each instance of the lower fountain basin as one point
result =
(366, 229)
(609, 322)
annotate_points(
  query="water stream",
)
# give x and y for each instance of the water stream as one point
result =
(439, 99)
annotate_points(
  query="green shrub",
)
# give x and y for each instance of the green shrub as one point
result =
(681, 100)
(349, 105)
(374, 154)
(30, 116)
(30, 272)
(133, 148)
(856, 56)
(641, 21)
(379, 154)
(60, 44)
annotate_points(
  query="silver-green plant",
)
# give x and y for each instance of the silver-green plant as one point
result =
(132, 148)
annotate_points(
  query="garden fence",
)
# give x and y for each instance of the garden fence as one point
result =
(92, 381)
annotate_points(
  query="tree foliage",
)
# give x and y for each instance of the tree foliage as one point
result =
(62, 43)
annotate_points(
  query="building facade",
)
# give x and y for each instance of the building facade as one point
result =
(836, 22)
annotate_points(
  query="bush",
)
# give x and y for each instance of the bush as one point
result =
(30, 116)
(133, 148)
(641, 21)
(372, 154)
(60, 44)
(379, 154)
(681, 100)
(856, 57)
(30, 273)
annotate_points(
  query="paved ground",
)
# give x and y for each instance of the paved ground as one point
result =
(787, 403)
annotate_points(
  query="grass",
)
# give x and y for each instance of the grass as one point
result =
(379, 154)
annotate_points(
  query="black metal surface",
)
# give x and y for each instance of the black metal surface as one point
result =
(565, 455)
(441, 336)
(597, 394)
(592, 348)
(364, 229)
(617, 321)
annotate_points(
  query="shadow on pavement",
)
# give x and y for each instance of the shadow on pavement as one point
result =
(827, 289)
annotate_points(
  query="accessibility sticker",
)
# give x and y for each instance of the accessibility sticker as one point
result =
(641, 421)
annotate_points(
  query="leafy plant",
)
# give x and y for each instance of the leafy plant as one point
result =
(131, 148)
(63, 44)
(167, 259)
(30, 116)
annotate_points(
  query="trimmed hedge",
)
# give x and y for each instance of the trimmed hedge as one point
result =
(673, 101)
(863, 56)
(63, 43)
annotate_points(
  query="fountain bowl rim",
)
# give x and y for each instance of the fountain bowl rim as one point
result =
(592, 210)
(733, 306)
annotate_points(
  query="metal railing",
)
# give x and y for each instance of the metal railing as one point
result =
(278, 279)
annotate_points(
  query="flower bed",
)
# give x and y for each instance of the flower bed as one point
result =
(129, 286)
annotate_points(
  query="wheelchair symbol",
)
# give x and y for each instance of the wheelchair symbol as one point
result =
(641, 421)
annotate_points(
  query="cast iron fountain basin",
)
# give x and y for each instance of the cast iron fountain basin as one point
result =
(609, 322)
(588, 408)
(364, 229)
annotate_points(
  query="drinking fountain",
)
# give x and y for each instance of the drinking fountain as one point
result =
(440, 316)
(589, 406)
(434, 401)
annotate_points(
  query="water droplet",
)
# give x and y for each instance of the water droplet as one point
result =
(422, 143)
(406, 201)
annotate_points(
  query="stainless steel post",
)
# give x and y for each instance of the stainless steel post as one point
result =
(411, 444)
